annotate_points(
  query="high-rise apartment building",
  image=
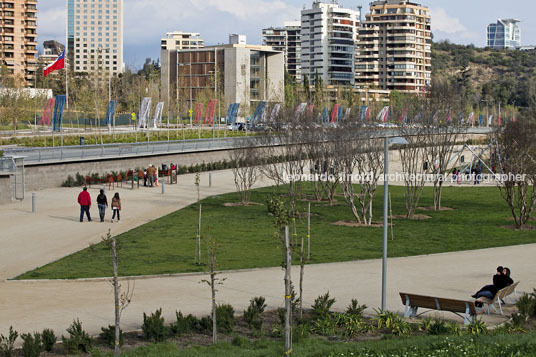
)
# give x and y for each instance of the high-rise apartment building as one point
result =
(18, 39)
(95, 35)
(504, 34)
(286, 39)
(51, 50)
(394, 50)
(328, 38)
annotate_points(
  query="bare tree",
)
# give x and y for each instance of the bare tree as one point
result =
(245, 168)
(362, 161)
(517, 149)
(213, 282)
(121, 299)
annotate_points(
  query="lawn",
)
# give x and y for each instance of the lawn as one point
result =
(451, 346)
(245, 235)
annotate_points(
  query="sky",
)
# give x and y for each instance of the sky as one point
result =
(147, 21)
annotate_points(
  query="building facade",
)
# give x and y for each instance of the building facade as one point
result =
(245, 74)
(504, 34)
(394, 51)
(51, 50)
(178, 40)
(286, 39)
(18, 39)
(329, 34)
(173, 42)
(95, 35)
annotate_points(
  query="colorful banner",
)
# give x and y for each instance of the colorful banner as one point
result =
(57, 123)
(48, 112)
(198, 113)
(383, 116)
(110, 114)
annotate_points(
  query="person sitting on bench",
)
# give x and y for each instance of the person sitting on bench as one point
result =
(500, 280)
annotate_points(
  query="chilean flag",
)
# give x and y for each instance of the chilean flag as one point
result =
(57, 64)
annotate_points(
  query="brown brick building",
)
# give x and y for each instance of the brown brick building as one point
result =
(18, 39)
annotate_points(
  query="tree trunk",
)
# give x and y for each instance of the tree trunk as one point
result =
(213, 289)
(309, 232)
(302, 270)
(116, 299)
(199, 235)
(288, 302)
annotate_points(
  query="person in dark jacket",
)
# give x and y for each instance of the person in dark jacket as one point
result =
(102, 202)
(84, 200)
(500, 280)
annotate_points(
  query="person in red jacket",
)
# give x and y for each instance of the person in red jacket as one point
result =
(84, 199)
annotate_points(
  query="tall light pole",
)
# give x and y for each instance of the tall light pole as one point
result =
(387, 141)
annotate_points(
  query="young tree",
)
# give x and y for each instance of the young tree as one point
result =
(245, 163)
(121, 299)
(517, 149)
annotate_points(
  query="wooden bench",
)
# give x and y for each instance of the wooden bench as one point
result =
(413, 302)
(499, 297)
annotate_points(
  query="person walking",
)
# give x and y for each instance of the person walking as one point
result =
(102, 203)
(116, 206)
(84, 200)
(150, 175)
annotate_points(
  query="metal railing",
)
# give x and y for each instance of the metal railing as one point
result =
(113, 151)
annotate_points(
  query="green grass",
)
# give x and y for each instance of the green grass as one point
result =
(475, 346)
(245, 235)
(92, 139)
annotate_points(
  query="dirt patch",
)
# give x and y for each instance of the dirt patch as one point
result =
(432, 209)
(356, 224)
(240, 204)
(525, 228)
(416, 217)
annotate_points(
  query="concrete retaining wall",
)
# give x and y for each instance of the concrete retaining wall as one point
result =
(6, 189)
(48, 176)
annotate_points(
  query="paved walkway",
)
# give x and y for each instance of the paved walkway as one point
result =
(31, 240)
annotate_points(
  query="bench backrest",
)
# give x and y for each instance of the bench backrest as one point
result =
(435, 303)
(509, 290)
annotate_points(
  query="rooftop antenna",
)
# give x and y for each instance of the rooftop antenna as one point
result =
(359, 7)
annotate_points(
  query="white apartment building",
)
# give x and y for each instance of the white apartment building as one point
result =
(178, 40)
(95, 35)
(286, 39)
(329, 34)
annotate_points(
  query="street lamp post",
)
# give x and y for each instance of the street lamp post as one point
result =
(387, 141)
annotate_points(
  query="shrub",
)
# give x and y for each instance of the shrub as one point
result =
(301, 332)
(32, 346)
(477, 327)
(355, 309)
(277, 330)
(7, 344)
(322, 306)
(108, 336)
(49, 339)
(324, 326)
(393, 322)
(434, 326)
(69, 182)
(205, 324)
(239, 341)
(253, 315)
(79, 180)
(78, 340)
(153, 327)
(1, 153)
(183, 325)
(526, 305)
(225, 318)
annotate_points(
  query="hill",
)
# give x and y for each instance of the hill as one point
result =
(505, 76)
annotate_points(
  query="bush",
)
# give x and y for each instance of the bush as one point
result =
(205, 324)
(32, 346)
(434, 326)
(153, 327)
(527, 305)
(322, 306)
(69, 182)
(324, 326)
(7, 344)
(78, 340)
(225, 318)
(253, 315)
(477, 327)
(108, 336)
(183, 325)
(355, 309)
(49, 339)
(301, 332)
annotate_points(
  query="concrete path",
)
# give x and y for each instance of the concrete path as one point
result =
(30, 240)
